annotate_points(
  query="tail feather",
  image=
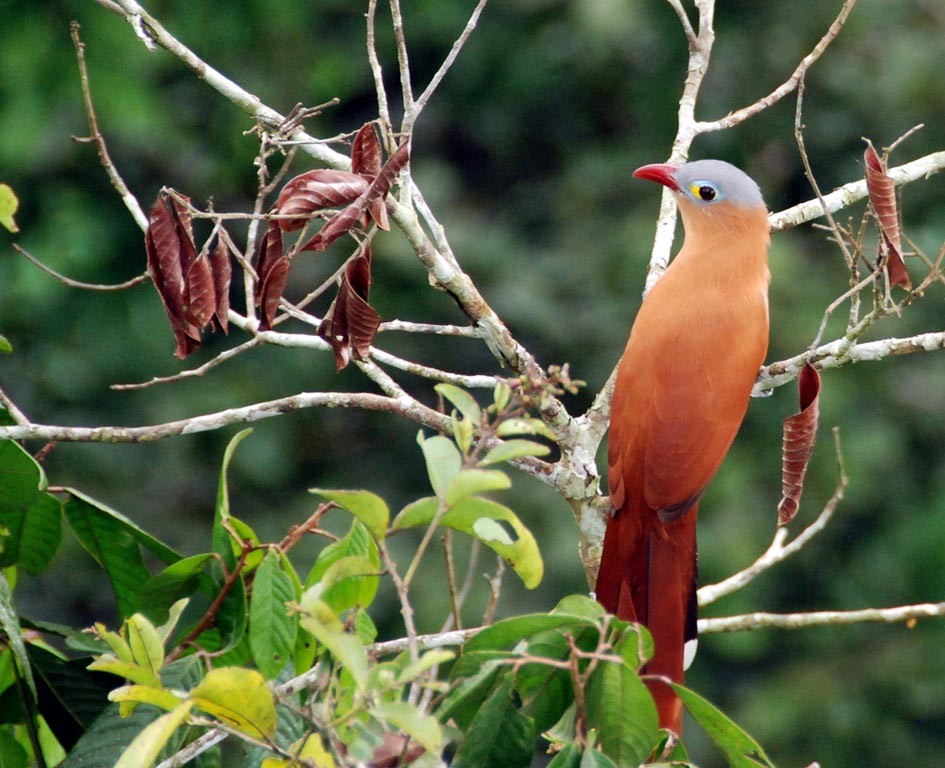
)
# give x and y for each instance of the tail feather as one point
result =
(648, 575)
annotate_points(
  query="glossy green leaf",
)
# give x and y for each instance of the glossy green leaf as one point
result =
(22, 483)
(464, 699)
(569, 757)
(509, 632)
(368, 507)
(272, 629)
(238, 697)
(739, 748)
(621, 709)
(464, 402)
(470, 481)
(580, 605)
(514, 449)
(41, 533)
(593, 758)
(178, 580)
(443, 461)
(409, 719)
(147, 745)
(499, 736)
(324, 625)
(114, 541)
(357, 542)
(222, 543)
(495, 525)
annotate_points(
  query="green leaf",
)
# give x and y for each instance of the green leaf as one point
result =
(499, 736)
(470, 481)
(621, 709)
(22, 483)
(167, 587)
(464, 402)
(349, 582)
(465, 699)
(5, 346)
(510, 632)
(11, 627)
(368, 507)
(428, 660)
(12, 755)
(238, 697)
(569, 757)
(108, 737)
(41, 533)
(147, 745)
(8, 205)
(580, 605)
(492, 523)
(739, 748)
(272, 629)
(70, 696)
(546, 691)
(514, 449)
(221, 537)
(346, 649)
(501, 395)
(409, 719)
(443, 461)
(357, 542)
(114, 541)
(592, 758)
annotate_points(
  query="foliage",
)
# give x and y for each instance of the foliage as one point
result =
(528, 151)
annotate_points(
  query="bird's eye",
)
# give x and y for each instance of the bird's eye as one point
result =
(706, 193)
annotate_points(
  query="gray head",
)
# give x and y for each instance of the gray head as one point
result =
(706, 182)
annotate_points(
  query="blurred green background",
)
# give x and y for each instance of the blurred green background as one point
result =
(525, 154)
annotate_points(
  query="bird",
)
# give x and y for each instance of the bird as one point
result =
(682, 389)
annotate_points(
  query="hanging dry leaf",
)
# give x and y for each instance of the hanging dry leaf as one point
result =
(366, 161)
(800, 434)
(316, 191)
(350, 324)
(342, 221)
(169, 243)
(222, 275)
(272, 271)
(882, 192)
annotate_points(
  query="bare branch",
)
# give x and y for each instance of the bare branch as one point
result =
(194, 372)
(763, 620)
(855, 191)
(739, 116)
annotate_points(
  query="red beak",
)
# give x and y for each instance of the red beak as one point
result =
(661, 173)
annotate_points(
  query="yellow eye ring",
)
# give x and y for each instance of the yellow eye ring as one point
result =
(703, 191)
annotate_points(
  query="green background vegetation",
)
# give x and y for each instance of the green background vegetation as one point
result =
(525, 154)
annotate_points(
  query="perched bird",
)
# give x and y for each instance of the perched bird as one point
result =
(682, 390)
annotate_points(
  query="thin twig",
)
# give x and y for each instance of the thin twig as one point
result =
(130, 201)
(194, 372)
(142, 278)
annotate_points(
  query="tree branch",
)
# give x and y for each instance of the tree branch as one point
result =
(763, 620)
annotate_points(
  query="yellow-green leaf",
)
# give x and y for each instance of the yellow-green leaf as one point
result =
(464, 402)
(145, 694)
(368, 507)
(322, 623)
(128, 670)
(145, 642)
(238, 697)
(470, 481)
(443, 461)
(310, 748)
(8, 205)
(116, 642)
(422, 728)
(147, 745)
(524, 426)
(515, 449)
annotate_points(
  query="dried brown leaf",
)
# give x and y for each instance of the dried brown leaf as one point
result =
(316, 191)
(201, 299)
(222, 276)
(882, 193)
(271, 293)
(342, 221)
(366, 152)
(800, 434)
(169, 245)
(350, 324)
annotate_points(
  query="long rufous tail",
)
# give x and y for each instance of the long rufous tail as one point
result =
(648, 575)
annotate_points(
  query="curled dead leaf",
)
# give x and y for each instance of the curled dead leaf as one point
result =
(882, 191)
(350, 324)
(800, 434)
(316, 191)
